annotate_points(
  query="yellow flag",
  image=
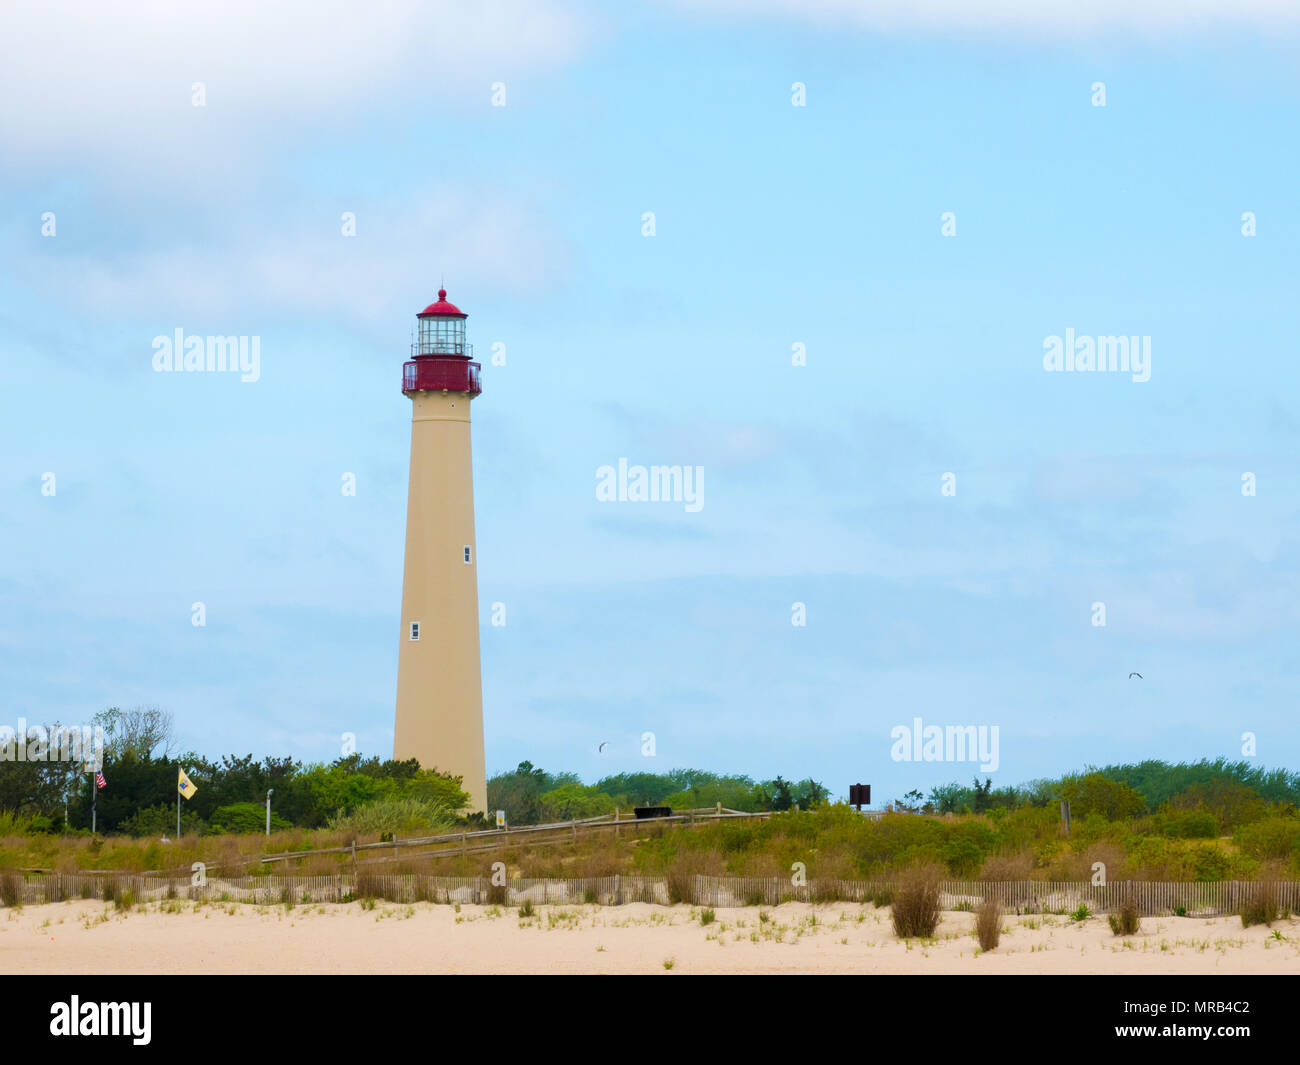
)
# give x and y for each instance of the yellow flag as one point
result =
(185, 786)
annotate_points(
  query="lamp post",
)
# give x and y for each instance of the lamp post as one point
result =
(268, 810)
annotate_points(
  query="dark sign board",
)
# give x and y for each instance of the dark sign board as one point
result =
(859, 795)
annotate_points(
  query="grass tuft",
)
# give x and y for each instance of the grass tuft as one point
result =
(1126, 920)
(10, 889)
(988, 924)
(1260, 905)
(916, 902)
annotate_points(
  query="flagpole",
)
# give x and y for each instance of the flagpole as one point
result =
(178, 805)
(94, 800)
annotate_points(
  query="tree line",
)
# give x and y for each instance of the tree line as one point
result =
(530, 795)
(140, 767)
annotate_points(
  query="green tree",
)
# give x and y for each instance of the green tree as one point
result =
(1096, 793)
(243, 818)
(571, 800)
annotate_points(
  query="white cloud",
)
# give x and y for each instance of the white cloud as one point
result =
(1046, 16)
(89, 85)
(264, 263)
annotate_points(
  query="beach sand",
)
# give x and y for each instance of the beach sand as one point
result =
(94, 937)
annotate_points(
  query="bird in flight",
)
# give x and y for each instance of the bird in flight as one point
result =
(602, 746)
(1132, 675)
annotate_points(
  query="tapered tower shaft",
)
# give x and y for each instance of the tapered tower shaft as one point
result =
(439, 683)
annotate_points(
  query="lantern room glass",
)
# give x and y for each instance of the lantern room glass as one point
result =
(442, 336)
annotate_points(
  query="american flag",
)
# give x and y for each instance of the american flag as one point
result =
(100, 782)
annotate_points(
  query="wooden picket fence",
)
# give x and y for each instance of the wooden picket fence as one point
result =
(1194, 899)
(1021, 896)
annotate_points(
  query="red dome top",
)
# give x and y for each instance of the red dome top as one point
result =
(442, 308)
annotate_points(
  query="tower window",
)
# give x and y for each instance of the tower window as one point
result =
(415, 630)
(469, 554)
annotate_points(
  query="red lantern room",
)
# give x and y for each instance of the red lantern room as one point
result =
(440, 358)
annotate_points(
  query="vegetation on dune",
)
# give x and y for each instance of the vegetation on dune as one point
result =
(1232, 790)
(1211, 820)
(395, 816)
(530, 795)
(53, 796)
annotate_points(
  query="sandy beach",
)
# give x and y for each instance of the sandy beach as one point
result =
(94, 937)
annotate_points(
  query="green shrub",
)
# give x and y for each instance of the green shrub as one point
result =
(573, 800)
(405, 816)
(1272, 837)
(244, 818)
(1209, 863)
(1081, 914)
(158, 821)
(969, 843)
(1190, 824)
(1095, 793)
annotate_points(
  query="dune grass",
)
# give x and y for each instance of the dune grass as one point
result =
(988, 924)
(916, 908)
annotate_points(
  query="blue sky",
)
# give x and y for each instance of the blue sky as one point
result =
(775, 225)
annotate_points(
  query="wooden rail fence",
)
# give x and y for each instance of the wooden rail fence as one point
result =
(450, 844)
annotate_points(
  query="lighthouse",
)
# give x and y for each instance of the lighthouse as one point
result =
(439, 685)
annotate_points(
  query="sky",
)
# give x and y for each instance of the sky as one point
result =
(818, 249)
